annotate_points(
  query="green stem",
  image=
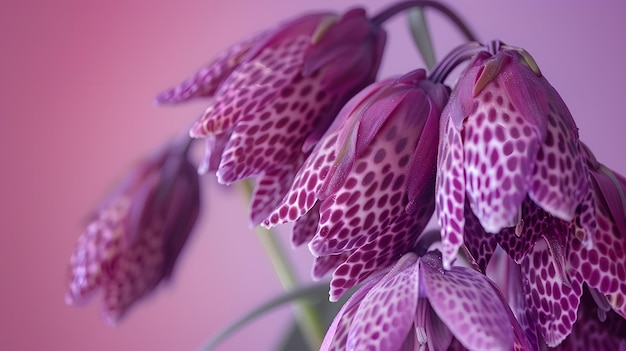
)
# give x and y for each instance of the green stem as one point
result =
(309, 292)
(307, 317)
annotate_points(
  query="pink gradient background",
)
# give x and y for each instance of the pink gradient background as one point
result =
(76, 84)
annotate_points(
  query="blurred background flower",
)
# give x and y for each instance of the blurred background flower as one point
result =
(77, 80)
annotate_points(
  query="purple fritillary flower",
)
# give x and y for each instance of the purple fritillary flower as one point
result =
(547, 309)
(274, 95)
(418, 305)
(134, 238)
(372, 178)
(603, 266)
(507, 135)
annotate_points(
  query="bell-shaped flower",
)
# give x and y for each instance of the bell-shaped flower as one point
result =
(554, 262)
(603, 266)
(368, 187)
(134, 238)
(551, 292)
(418, 305)
(506, 135)
(274, 95)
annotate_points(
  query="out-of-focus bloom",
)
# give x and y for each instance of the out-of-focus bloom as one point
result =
(273, 96)
(134, 238)
(506, 135)
(420, 306)
(367, 190)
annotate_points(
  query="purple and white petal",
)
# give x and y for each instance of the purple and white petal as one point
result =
(386, 313)
(336, 338)
(499, 148)
(206, 81)
(269, 189)
(466, 302)
(373, 197)
(96, 248)
(519, 240)
(269, 134)
(559, 179)
(450, 198)
(603, 266)
(552, 302)
(251, 86)
(382, 252)
(430, 329)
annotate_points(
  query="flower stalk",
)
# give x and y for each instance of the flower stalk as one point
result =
(307, 318)
(405, 5)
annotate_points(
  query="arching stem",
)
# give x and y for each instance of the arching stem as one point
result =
(457, 56)
(391, 11)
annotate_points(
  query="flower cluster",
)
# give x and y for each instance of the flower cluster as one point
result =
(531, 252)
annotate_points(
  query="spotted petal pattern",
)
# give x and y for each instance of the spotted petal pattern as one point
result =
(310, 183)
(136, 236)
(499, 146)
(505, 135)
(96, 250)
(450, 198)
(268, 191)
(387, 311)
(552, 302)
(519, 240)
(206, 81)
(336, 338)
(602, 267)
(381, 252)
(466, 302)
(264, 101)
(373, 198)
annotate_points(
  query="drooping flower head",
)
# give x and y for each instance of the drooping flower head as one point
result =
(134, 238)
(273, 96)
(418, 305)
(603, 266)
(367, 190)
(554, 262)
(505, 135)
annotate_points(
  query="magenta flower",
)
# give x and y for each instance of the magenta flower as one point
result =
(134, 238)
(367, 189)
(555, 262)
(420, 306)
(506, 136)
(273, 96)
(603, 266)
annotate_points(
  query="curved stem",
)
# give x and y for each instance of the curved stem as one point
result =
(308, 319)
(294, 295)
(457, 56)
(401, 6)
